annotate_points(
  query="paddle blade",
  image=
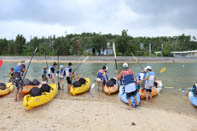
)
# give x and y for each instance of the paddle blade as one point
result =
(114, 49)
(134, 57)
(163, 69)
(1, 62)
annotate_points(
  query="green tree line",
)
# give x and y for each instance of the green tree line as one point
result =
(78, 44)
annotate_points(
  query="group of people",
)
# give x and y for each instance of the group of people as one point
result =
(63, 73)
(127, 78)
(130, 82)
(16, 75)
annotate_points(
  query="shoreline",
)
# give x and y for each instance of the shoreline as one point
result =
(101, 59)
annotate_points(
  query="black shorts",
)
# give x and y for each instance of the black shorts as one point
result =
(68, 80)
(18, 83)
(148, 90)
(131, 94)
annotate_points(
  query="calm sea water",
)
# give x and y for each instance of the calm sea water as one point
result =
(177, 76)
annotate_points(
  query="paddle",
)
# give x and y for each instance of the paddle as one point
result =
(1, 62)
(33, 53)
(58, 53)
(137, 61)
(161, 71)
(114, 49)
(46, 59)
(80, 63)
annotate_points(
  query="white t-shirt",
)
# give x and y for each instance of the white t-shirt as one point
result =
(130, 87)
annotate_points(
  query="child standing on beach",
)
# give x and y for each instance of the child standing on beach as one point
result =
(44, 75)
(51, 72)
(69, 76)
(11, 74)
(62, 74)
(149, 82)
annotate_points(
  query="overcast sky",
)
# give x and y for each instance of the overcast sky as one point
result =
(141, 17)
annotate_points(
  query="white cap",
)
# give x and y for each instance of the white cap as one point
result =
(61, 66)
(148, 67)
(125, 65)
(106, 68)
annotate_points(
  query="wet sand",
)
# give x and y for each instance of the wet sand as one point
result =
(88, 112)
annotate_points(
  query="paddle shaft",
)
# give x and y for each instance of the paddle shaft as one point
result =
(30, 63)
(46, 59)
(58, 53)
(80, 64)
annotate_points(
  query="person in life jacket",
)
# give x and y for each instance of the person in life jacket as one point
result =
(102, 77)
(62, 74)
(44, 75)
(51, 72)
(193, 89)
(69, 76)
(140, 76)
(11, 74)
(129, 81)
(17, 79)
(149, 82)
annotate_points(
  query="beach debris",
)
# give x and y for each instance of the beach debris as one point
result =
(169, 87)
(9, 117)
(133, 123)
(93, 85)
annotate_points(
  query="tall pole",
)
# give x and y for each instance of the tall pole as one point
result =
(149, 49)
(161, 50)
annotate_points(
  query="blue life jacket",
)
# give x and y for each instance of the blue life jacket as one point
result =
(100, 74)
(151, 76)
(17, 68)
(43, 72)
(141, 76)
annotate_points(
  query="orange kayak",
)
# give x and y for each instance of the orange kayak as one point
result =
(27, 88)
(155, 90)
(111, 90)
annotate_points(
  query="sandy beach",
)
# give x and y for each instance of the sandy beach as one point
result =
(75, 113)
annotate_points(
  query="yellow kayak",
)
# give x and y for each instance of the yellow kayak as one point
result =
(10, 88)
(82, 89)
(31, 102)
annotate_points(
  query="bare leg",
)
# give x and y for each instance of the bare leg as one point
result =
(147, 96)
(129, 102)
(15, 94)
(136, 101)
(18, 94)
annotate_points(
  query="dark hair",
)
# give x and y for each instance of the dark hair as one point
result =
(69, 64)
(104, 67)
(54, 64)
(11, 68)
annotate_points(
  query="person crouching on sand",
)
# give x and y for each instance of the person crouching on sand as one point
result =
(101, 77)
(51, 72)
(149, 82)
(129, 82)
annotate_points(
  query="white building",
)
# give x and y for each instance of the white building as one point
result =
(192, 53)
